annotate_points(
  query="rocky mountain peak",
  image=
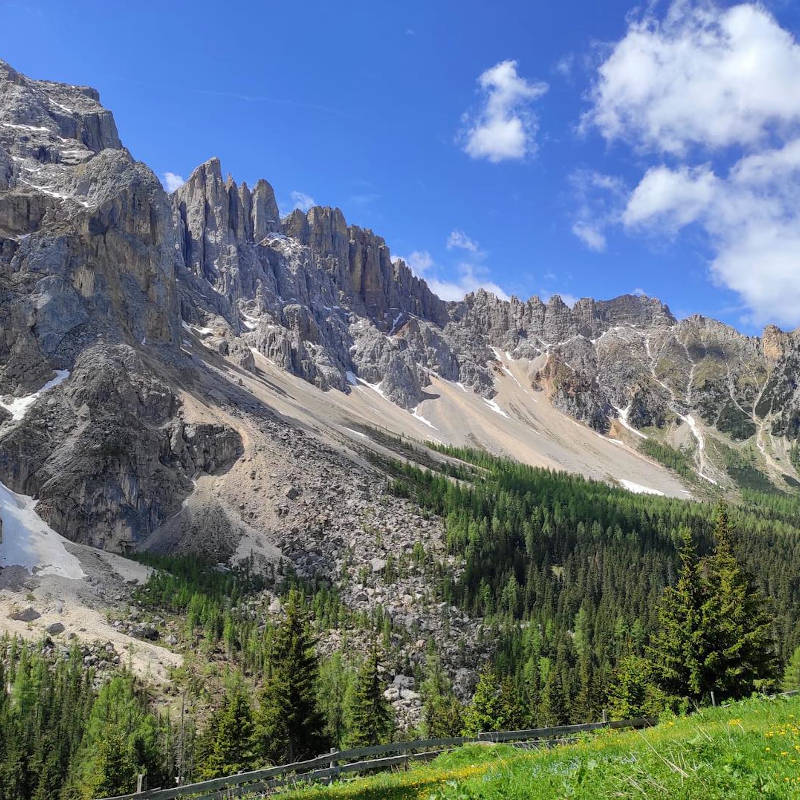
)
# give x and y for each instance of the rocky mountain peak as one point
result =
(36, 116)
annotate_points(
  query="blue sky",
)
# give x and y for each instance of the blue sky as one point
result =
(584, 148)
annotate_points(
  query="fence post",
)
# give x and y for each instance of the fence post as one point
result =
(713, 699)
(139, 779)
(605, 717)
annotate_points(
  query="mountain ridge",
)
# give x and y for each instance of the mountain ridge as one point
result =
(104, 274)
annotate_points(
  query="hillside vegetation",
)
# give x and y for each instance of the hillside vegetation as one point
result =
(749, 749)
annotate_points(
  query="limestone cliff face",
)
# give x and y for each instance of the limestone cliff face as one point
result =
(89, 256)
(87, 245)
(100, 270)
(324, 299)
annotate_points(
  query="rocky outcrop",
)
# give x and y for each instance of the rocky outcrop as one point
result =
(108, 453)
(87, 245)
(100, 270)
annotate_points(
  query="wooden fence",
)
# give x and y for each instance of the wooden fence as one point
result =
(360, 760)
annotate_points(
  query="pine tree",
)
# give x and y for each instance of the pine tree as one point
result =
(369, 714)
(734, 615)
(114, 768)
(633, 692)
(554, 706)
(791, 676)
(679, 646)
(714, 632)
(335, 680)
(289, 724)
(230, 736)
(495, 705)
(443, 714)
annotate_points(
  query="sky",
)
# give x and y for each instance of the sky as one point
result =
(578, 148)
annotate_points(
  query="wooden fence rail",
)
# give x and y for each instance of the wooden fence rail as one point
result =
(328, 766)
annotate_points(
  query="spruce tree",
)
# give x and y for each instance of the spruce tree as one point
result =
(230, 736)
(791, 675)
(633, 692)
(335, 680)
(553, 710)
(289, 724)
(443, 714)
(114, 768)
(495, 705)
(369, 714)
(678, 648)
(735, 617)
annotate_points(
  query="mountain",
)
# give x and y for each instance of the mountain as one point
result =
(193, 373)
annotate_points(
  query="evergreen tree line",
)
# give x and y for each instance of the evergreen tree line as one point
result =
(63, 737)
(570, 574)
(302, 709)
(593, 599)
(67, 734)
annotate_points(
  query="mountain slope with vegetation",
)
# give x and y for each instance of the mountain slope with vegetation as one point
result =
(747, 750)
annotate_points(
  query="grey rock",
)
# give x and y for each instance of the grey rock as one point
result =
(26, 615)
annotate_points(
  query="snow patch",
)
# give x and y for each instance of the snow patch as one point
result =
(48, 190)
(18, 406)
(395, 322)
(376, 387)
(496, 408)
(62, 107)
(417, 415)
(28, 541)
(701, 444)
(250, 322)
(623, 418)
(637, 488)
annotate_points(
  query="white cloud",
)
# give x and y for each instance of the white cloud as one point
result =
(459, 239)
(678, 197)
(471, 276)
(470, 279)
(172, 181)
(565, 65)
(302, 200)
(720, 83)
(703, 75)
(752, 219)
(420, 261)
(504, 126)
(600, 200)
(592, 237)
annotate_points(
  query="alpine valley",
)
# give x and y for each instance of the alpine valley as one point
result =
(210, 413)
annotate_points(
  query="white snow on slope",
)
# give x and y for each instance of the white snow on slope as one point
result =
(496, 408)
(623, 418)
(18, 406)
(376, 387)
(637, 488)
(701, 445)
(28, 541)
(417, 415)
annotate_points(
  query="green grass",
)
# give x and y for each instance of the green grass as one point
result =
(746, 750)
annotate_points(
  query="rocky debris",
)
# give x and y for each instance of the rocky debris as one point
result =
(108, 453)
(25, 615)
(55, 628)
(140, 296)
